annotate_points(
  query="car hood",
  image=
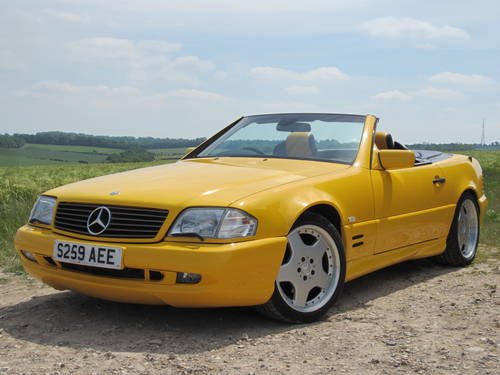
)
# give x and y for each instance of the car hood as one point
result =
(192, 182)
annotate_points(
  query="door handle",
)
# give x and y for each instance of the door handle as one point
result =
(439, 180)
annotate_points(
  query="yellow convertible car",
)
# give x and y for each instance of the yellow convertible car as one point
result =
(276, 211)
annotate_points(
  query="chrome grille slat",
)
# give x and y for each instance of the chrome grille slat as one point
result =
(69, 221)
(87, 209)
(126, 222)
(85, 216)
(136, 215)
(132, 225)
(117, 219)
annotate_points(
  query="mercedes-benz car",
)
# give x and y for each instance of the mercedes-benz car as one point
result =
(277, 211)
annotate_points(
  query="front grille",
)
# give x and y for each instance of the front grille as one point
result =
(126, 273)
(126, 222)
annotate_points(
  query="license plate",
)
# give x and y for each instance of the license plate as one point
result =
(88, 255)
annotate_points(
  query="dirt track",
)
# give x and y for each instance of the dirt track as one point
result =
(411, 318)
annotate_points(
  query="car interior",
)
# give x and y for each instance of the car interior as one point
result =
(301, 143)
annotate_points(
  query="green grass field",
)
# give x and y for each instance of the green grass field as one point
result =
(38, 154)
(19, 187)
(490, 162)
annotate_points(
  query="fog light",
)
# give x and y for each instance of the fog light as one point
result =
(188, 278)
(28, 255)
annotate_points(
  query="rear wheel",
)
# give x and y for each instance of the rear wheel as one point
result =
(461, 245)
(312, 273)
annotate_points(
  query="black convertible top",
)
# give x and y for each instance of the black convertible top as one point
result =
(429, 156)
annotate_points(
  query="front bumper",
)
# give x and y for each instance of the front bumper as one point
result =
(235, 274)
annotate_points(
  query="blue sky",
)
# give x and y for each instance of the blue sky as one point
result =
(429, 70)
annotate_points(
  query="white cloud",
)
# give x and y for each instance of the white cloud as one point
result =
(192, 63)
(11, 62)
(95, 50)
(301, 90)
(461, 79)
(143, 60)
(231, 6)
(392, 95)
(67, 16)
(54, 88)
(64, 88)
(410, 28)
(159, 46)
(192, 94)
(318, 75)
(439, 93)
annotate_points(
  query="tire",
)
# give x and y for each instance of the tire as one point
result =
(462, 241)
(312, 274)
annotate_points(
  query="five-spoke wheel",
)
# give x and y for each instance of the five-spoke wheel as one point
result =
(311, 268)
(312, 273)
(468, 228)
(461, 245)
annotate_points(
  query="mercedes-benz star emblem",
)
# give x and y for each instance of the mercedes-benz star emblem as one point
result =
(98, 220)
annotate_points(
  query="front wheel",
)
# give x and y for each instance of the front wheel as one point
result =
(461, 245)
(312, 273)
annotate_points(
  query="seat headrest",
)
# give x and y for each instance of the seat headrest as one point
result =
(384, 141)
(300, 144)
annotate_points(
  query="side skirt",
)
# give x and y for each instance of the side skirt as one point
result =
(359, 267)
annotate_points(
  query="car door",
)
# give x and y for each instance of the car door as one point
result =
(409, 206)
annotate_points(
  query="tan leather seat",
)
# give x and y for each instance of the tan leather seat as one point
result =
(300, 144)
(384, 141)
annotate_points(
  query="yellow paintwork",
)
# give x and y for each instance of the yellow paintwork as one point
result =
(396, 159)
(400, 213)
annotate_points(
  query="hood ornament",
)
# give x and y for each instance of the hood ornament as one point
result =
(114, 193)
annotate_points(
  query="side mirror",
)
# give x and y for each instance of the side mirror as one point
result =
(396, 159)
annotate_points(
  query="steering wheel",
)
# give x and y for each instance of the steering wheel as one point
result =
(253, 149)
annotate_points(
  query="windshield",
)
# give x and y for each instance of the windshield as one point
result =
(324, 137)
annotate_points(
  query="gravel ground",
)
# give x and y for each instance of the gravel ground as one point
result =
(415, 317)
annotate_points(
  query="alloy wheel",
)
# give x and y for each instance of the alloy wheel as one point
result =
(310, 271)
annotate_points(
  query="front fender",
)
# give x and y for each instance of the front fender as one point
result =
(277, 209)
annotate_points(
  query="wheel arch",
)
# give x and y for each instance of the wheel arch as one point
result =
(476, 194)
(471, 190)
(328, 211)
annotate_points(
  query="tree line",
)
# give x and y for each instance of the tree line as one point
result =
(11, 141)
(455, 146)
(131, 156)
(78, 139)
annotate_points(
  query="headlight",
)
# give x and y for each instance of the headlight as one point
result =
(214, 223)
(42, 210)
